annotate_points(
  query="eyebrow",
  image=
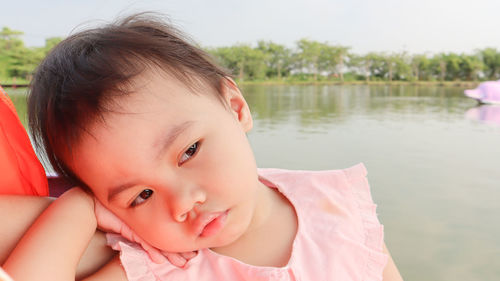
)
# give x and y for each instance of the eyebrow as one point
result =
(113, 192)
(167, 140)
(164, 142)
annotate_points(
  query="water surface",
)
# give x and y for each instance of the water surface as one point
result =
(434, 173)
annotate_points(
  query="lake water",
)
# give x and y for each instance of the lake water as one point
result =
(433, 163)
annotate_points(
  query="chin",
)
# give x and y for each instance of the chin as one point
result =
(230, 235)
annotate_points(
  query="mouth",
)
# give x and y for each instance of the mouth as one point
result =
(211, 223)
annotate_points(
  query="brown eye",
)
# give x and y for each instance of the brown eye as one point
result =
(143, 196)
(190, 152)
(192, 149)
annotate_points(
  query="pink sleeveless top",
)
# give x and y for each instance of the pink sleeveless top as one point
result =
(339, 236)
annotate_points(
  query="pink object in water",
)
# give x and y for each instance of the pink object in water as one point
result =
(486, 92)
(486, 113)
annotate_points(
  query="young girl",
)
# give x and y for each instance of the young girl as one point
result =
(157, 132)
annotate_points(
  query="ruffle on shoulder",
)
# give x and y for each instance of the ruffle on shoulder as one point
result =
(133, 258)
(373, 230)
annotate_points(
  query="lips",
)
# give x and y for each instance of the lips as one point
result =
(209, 224)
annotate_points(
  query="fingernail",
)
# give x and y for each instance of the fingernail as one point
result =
(179, 262)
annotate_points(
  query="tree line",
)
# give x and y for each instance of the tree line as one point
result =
(316, 61)
(308, 60)
(18, 61)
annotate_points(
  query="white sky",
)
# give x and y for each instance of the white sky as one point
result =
(365, 25)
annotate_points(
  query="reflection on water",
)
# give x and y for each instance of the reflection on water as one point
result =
(434, 173)
(489, 114)
(315, 104)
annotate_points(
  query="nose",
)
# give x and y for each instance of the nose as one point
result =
(184, 201)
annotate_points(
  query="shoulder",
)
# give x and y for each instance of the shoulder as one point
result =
(337, 183)
(339, 224)
(355, 171)
(338, 200)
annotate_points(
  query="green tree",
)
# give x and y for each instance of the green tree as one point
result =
(15, 59)
(362, 64)
(317, 57)
(377, 65)
(453, 62)
(309, 54)
(51, 43)
(332, 59)
(397, 67)
(249, 63)
(9, 38)
(327, 60)
(342, 54)
(278, 58)
(355, 64)
(403, 67)
(420, 66)
(470, 67)
(491, 61)
(447, 66)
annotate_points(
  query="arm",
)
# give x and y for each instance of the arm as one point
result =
(23, 211)
(54, 244)
(17, 214)
(112, 271)
(391, 272)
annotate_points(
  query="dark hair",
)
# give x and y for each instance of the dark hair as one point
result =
(82, 74)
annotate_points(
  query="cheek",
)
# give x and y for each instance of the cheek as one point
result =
(154, 227)
(233, 149)
(232, 171)
(145, 219)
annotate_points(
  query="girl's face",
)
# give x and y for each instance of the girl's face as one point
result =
(173, 165)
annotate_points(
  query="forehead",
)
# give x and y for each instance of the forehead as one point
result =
(175, 79)
(152, 100)
(134, 123)
(155, 84)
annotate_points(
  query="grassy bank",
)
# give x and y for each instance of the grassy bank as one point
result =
(463, 84)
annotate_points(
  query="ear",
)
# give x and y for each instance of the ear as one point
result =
(237, 103)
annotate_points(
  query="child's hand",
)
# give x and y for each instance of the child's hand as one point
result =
(107, 221)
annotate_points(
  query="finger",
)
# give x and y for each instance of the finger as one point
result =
(157, 258)
(155, 255)
(189, 255)
(175, 259)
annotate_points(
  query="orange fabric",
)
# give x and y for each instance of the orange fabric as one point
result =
(20, 171)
